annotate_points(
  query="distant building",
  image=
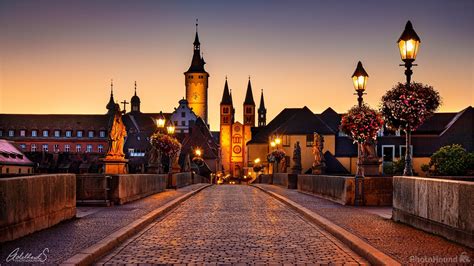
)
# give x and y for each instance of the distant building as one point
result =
(235, 135)
(183, 117)
(13, 161)
(340, 153)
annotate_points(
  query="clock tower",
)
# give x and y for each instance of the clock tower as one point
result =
(196, 81)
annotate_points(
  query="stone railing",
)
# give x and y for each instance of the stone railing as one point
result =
(285, 180)
(377, 191)
(442, 207)
(32, 203)
(179, 180)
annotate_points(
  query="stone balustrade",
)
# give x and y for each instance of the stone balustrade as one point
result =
(439, 206)
(33, 203)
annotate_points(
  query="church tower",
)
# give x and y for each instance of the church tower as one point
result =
(196, 81)
(226, 121)
(249, 107)
(262, 113)
(135, 101)
(111, 104)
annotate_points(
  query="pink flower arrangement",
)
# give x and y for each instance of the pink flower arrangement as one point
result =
(167, 145)
(408, 108)
(361, 123)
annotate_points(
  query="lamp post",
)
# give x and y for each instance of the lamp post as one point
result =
(170, 128)
(359, 78)
(408, 44)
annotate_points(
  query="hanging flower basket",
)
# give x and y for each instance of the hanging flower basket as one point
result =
(407, 108)
(167, 145)
(276, 156)
(361, 123)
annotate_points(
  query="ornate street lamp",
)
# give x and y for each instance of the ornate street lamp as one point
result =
(160, 122)
(359, 78)
(408, 44)
(170, 129)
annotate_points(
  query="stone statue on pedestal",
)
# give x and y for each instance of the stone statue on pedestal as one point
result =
(370, 162)
(296, 169)
(114, 161)
(319, 165)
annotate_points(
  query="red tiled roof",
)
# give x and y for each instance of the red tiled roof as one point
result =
(9, 155)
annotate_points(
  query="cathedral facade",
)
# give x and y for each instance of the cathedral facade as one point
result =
(235, 135)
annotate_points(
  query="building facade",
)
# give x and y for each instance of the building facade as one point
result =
(235, 135)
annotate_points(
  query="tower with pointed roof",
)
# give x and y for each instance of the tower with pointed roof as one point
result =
(111, 104)
(196, 81)
(262, 113)
(226, 121)
(249, 107)
(135, 101)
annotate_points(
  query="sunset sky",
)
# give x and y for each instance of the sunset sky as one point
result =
(59, 56)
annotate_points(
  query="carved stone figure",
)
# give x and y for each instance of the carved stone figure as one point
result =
(296, 169)
(318, 144)
(368, 152)
(117, 136)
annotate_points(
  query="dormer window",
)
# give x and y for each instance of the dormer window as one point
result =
(68, 133)
(57, 133)
(11, 133)
(34, 133)
(45, 133)
(22, 133)
(79, 134)
(90, 134)
(102, 134)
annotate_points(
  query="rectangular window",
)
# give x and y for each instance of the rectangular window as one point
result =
(79, 134)
(90, 134)
(56, 147)
(23, 147)
(1, 133)
(183, 114)
(45, 133)
(226, 110)
(309, 140)
(45, 147)
(11, 133)
(67, 148)
(100, 148)
(237, 139)
(78, 148)
(57, 133)
(183, 123)
(102, 134)
(33, 147)
(22, 133)
(403, 150)
(285, 140)
(248, 110)
(68, 133)
(89, 148)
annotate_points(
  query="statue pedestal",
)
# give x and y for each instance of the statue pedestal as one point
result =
(115, 165)
(371, 168)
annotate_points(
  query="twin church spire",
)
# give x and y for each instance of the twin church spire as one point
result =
(227, 106)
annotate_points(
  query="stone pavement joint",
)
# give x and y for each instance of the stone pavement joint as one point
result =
(367, 251)
(92, 253)
(230, 224)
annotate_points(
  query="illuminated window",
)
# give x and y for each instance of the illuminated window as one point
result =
(90, 134)
(67, 148)
(286, 140)
(11, 133)
(102, 134)
(79, 134)
(23, 147)
(45, 147)
(57, 133)
(89, 148)
(45, 133)
(22, 133)
(34, 133)
(78, 147)
(68, 133)
(100, 148)
(33, 147)
(56, 147)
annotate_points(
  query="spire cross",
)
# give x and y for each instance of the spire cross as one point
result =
(135, 87)
(111, 86)
(196, 25)
(124, 105)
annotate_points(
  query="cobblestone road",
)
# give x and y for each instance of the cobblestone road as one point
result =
(232, 224)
